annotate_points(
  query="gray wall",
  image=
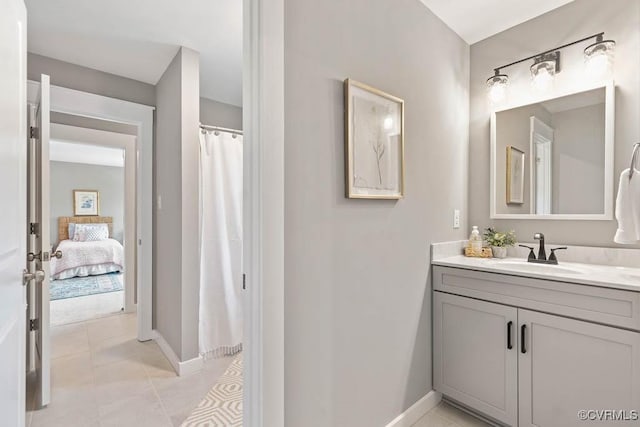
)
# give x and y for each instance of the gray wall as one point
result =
(86, 79)
(620, 20)
(176, 274)
(108, 180)
(578, 160)
(216, 113)
(357, 293)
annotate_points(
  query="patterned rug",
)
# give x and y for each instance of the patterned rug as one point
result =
(222, 407)
(82, 286)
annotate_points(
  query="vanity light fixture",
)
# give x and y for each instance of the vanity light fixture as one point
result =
(497, 87)
(544, 69)
(546, 65)
(599, 56)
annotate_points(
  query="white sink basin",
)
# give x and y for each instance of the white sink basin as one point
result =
(531, 267)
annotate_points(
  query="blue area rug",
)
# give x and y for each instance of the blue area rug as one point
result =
(82, 286)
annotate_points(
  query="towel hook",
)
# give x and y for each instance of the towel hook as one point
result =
(634, 158)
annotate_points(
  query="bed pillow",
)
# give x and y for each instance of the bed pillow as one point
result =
(72, 230)
(90, 232)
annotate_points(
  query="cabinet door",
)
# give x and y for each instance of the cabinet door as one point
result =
(473, 363)
(568, 365)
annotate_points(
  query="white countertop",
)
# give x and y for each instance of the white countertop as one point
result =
(588, 274)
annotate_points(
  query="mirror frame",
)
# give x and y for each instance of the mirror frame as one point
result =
(609, 143)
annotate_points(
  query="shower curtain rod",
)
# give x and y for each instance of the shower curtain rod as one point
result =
(221, 129)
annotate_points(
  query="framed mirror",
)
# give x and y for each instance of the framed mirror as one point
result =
(553, 158)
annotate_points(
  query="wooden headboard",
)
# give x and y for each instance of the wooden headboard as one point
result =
(63, 224)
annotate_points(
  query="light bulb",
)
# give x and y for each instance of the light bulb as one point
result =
(497, 93)
(543, 80)
(497, 88)
(598, 65)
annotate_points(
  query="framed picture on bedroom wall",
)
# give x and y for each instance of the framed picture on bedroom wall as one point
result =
(86, 202)
(374, 143)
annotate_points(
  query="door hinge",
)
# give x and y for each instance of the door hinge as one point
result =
(34, 228)
(244, 281)
(33, 132)
(34, 324)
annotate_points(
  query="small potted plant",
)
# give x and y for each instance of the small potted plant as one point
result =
(499, 241)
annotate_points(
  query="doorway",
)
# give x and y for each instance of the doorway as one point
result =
(86, 217)
(90, 280)
(132, 125)
(264, 111)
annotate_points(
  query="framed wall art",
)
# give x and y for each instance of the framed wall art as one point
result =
(374, 143)
(515, 175)
(86, 202)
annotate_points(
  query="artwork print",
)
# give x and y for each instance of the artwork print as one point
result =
(515, 176)
(374, 143)
(85, 202)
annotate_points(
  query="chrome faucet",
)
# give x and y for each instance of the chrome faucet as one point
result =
(542, 254)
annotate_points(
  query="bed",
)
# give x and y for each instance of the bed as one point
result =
(87, 258)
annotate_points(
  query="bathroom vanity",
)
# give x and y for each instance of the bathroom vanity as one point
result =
(533, 345)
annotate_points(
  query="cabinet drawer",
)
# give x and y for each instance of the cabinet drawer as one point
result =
(603, 305)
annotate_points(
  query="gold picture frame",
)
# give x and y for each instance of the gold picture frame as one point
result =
(515, 175)
(86, 202)
(374, 143)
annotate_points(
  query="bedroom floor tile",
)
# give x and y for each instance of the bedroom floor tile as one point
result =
(102, 376)
(82, 309)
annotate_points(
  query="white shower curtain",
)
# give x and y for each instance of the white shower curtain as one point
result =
(220, 244)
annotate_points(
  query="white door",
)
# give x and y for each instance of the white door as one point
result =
(39, 241)
(475, 354)
(13, 193)
(567, 366)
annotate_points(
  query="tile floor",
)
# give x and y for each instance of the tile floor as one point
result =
(102, 376)
(446, 415)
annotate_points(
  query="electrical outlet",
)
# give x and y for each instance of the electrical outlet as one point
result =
(159, 204)
(456, 218)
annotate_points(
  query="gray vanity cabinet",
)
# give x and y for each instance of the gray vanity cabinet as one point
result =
(556, 366)
(571, 365)
(476, 355)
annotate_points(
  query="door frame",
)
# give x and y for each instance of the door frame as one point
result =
(263, 212)
(75, 102)
(101, 138)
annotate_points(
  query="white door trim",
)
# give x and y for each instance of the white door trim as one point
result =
(263, 216)
(70, 101)
(79, 135)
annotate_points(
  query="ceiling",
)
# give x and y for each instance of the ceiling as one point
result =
(137, 39)
(475, 20)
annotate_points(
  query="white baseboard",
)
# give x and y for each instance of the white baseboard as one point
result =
(417, 410)
(182, 368)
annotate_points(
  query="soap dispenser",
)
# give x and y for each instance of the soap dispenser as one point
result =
(475, 240)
